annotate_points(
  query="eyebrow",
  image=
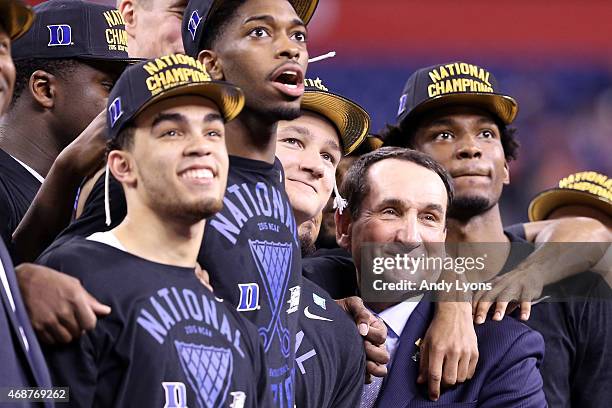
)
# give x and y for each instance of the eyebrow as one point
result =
(435, 207)
(302, 130)
(213, 117)
(168, 117)
(179, 118)
(271, 20)
(442, 122)
(394, 202)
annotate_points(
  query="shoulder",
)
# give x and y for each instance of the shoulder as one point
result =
(508, 340)
(321, 314)
(78, 256)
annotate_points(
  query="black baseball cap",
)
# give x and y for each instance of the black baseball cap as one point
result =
(587, 188)
(350, 119)
(15, 18)
(74, 29)
(198, 11)
(151, 81)
(455, 83)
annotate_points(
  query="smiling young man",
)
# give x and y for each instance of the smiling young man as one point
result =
(168, 341)
(462, 121)
(329, 351)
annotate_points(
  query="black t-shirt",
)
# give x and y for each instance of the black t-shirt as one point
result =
(18, 187)
(167, 342)
(577, 365)
(333, 270)
(517, 230)
(330, 358)
(252, 253)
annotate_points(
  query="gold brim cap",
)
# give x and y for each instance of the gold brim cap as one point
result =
(350, 119)
(15, 17)
(586, 188)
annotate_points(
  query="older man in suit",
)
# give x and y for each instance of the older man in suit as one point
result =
(408, 212)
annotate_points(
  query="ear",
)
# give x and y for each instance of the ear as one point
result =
(211, 62)
(121, 165)
(344, 227)
(43, 88)
(126, 8)
(506, 172)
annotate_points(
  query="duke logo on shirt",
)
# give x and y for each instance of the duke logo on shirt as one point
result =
(249, 297)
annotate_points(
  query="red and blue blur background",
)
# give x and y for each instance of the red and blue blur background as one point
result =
(554, 57)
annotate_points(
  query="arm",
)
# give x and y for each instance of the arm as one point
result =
(52, 207)
(449, 350)
(374, 333)
(60, 309)
(350, 387)
(550, 262)
(74, 366)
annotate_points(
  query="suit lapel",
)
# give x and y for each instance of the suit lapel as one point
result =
(36, 366)
(400, 387)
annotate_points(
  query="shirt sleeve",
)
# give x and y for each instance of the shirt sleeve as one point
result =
(73, 366)
(353, 375)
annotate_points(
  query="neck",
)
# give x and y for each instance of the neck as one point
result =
(144, 232)
(25, 136)
(251, 137)
(484, 227)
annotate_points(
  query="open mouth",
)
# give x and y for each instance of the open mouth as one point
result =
(289, 80)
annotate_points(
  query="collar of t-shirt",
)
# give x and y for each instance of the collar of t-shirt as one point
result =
(108, 238)
(396, 318)
(30, 170)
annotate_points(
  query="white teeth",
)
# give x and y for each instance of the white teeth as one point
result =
(290, 73)
(198, 174)
(291, 86)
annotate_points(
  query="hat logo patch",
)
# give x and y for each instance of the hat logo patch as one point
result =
(174, 70)
(194, 22)
(315, 83)
(402, 104)
(458, 77)
(115, 111)
(60, 34)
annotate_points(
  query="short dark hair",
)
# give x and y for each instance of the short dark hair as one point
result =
(403, 135)
(355, 186)
(218, 22)
(123, 141)
(26, 67)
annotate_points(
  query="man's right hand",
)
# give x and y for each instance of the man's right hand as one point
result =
(60, 309)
